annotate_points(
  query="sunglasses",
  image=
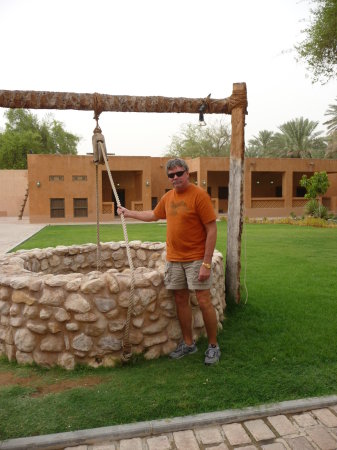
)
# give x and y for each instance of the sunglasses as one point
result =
(179, 174)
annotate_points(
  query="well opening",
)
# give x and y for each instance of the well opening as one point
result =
(57, 309)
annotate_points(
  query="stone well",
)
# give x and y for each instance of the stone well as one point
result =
(56, 309)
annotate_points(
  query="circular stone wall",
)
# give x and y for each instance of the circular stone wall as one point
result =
(56, 309)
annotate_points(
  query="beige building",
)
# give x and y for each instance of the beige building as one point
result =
(13, 185)
(63, 188)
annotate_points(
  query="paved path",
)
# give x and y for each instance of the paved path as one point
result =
(295, 425)
(309, 424)
(14, 231)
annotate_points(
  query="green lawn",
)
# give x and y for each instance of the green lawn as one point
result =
(279, 345)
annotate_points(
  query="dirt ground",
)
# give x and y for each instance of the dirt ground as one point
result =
(42, 387)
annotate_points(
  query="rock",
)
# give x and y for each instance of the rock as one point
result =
(112, 314)
(105, 304)
(36, 327)
(48, 359)
(24, 340)
(54, 327)
(118, 255)
(147, 296)
(92, 286)
(57, 281)
(4, 293)
(22, 297)
(14, 310)
(4, 308)
(117, 325)
(73, 285)
(30, 311)
(82, 343)
(138, 322)
(44, 265)
(124, 299)
(198, 321)
(23, 358)
(61, 315)
(66, 360)
(51, 344)
(45, 313)
(72, 326)
(135, 337)
(149, 341)
(168, 347)
(112, 283)
(141, 255)
(109, 361)
(153, 353)
(97, 328)
(16, 322)
(174, 330)
(52, 297)
(86, 317)
(156, 327)
(110, 343)
(77, 303)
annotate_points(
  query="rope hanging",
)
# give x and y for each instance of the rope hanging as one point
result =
(100, 157)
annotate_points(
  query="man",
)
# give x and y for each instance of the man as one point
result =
(190, 242)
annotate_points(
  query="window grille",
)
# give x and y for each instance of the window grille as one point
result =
(80, 207)
(57, 207)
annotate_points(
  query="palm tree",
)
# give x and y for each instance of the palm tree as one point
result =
(298, 139)
(261, 145)
(332, 123)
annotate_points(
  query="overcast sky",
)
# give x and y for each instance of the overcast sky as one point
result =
(173, 48)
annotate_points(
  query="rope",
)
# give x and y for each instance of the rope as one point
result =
(126, 355)
(99, 258)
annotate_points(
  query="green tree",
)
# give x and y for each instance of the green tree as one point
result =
(318, 49)
(316, 186)
(194, 141)
(332, 122)
(261, 146)
(298, 139)
(331, 150)
(25, 134)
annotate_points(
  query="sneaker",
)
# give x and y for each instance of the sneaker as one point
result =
(212, 355)
(183, 350)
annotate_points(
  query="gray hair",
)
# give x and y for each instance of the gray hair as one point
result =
(176, 162)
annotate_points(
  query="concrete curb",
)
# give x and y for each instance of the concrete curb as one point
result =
(149, 428)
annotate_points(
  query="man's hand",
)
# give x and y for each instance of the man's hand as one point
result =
(204, 273)
(122, 210)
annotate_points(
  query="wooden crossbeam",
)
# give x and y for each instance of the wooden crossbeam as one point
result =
(118, 103)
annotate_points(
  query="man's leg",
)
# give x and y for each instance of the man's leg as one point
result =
(184, 313)
(208, 314)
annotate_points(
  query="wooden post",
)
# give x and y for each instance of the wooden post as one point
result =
(235, 196)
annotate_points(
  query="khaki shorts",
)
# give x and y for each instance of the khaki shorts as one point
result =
(184, 275)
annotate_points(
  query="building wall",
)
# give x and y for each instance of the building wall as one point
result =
(13, 184)
(270, 185)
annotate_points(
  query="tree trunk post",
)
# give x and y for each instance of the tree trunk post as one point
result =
(235, 196)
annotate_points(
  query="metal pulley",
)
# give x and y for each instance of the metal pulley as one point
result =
(98, 145)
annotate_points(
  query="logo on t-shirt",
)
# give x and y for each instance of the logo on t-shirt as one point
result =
(176, 208)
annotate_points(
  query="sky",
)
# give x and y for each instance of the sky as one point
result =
(175, 48)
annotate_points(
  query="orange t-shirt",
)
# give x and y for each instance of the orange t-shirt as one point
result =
(186, 213)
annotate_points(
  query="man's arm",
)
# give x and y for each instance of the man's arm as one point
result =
(145, 216)
(211, 234)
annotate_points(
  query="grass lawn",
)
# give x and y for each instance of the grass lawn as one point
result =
(279, 345)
